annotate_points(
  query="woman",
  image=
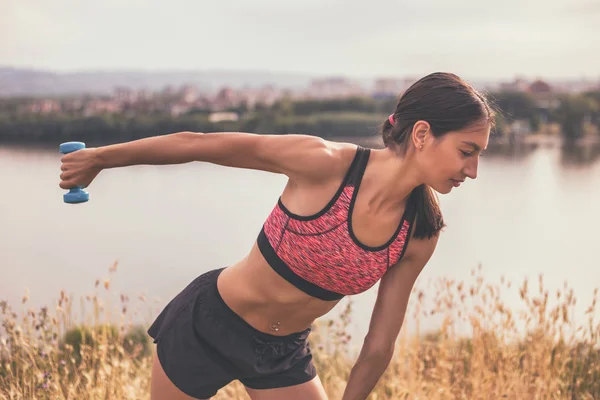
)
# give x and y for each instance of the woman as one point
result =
(347, 218)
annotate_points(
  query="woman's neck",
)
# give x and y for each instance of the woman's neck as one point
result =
(389, 179)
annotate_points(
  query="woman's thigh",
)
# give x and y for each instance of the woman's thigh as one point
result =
(311, 390)
(161, 386)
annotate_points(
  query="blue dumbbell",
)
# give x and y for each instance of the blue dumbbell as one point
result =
(76, 194)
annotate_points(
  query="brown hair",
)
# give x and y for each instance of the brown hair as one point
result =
(447, 103)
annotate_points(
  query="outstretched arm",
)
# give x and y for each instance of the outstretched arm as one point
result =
(300, 157)
(387, 318)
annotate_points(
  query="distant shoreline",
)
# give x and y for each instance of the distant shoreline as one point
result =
(373, 141)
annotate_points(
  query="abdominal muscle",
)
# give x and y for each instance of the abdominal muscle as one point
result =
(265, 300)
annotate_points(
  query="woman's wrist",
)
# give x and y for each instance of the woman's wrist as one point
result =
(102, 158)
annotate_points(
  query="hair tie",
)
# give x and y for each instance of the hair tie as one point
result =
(391, 119)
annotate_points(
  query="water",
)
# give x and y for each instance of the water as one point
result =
(166, 225)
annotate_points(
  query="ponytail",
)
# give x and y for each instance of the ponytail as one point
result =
(429, 220)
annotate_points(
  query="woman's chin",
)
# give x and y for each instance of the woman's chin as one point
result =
(443, 189)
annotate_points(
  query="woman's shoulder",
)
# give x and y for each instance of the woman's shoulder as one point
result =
(343, 153)
(334, 158)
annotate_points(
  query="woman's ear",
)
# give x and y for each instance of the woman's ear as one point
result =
(420, 132)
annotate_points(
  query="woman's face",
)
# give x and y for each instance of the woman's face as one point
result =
(447, 161)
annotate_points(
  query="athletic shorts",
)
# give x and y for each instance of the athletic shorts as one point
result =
(203, 345)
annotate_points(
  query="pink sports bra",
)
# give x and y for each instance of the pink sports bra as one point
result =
(319, 254)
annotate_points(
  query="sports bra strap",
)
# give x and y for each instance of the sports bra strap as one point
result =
(357, 168)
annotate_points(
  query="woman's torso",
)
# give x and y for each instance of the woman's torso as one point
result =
(256, 292)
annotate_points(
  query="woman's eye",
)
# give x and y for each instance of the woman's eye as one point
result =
(466, 154)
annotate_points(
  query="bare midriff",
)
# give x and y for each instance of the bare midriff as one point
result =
(265, 300)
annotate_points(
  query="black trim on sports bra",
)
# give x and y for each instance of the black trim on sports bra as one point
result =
(410, 218)
(284, 270)
(335, 197)
(407, 211)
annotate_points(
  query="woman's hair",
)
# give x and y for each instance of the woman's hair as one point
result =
(447, 103)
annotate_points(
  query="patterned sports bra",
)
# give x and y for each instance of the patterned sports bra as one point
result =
(319, 254)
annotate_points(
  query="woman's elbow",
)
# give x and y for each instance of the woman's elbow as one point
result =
(382, 352)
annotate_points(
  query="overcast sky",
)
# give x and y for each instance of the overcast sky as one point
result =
(474, 38)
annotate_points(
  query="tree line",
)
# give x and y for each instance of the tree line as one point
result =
(348, 117)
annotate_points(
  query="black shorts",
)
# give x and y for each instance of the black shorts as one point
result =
(202, 345)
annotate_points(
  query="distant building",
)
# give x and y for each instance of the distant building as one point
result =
(518, 85)
(333, 88)
(266, 95)
(45, 106)
(386, 88)
(540, 87)
(576, 86)
(179, 108)
(544, 96)
(391, 87)
(223, 116)
(520, 127)
(99, 106)
(225, 98)
(189, 93)
(125, 94)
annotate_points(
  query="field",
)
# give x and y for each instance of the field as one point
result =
(538, 351)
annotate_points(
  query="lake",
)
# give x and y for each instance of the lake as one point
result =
(525, 215)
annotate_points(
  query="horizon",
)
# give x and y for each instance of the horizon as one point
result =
(291, 73)
(551, 39)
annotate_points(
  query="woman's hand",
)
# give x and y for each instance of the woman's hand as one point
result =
(79, 168)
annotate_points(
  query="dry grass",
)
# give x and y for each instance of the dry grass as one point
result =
(536, 352)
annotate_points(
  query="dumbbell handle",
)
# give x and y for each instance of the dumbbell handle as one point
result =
(76, 194)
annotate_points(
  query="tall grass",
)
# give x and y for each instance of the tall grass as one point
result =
(482, 350)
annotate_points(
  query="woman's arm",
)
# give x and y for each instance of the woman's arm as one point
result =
(387, 318)
(300, 157)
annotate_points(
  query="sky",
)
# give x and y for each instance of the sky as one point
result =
(474, 38)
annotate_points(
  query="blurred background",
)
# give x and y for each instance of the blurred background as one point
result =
(115, 71)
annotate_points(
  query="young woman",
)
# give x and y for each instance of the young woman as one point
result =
(348, 217)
